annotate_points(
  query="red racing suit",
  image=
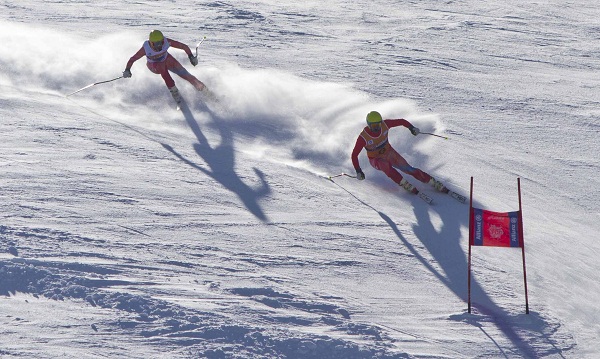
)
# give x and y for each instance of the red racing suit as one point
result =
(382, 156)
(161, 62)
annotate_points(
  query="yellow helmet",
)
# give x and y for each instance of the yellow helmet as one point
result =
(374, 117)
(156, 36)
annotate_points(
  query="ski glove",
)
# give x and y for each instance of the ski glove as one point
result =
(193, 60)
(127, 73)
(414, 130)
(360, 175)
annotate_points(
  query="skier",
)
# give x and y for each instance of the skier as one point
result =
(383, 156)
(161, 62)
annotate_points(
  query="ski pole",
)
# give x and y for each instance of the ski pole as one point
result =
(340, 175)
(433, 134)
(197, 46)
(94, 84)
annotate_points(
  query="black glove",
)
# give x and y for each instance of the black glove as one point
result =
(414, 130)
(193, 60)
(127, 73)
(360, 175)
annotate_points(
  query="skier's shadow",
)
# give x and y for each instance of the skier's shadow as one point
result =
(444, 246)
(221, 161)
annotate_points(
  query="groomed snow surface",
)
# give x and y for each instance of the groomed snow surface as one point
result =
(132, 230)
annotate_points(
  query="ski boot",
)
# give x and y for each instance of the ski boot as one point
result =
(438, 185)
(409, 187)
(412, 189)
(176, 95)
(209, 95)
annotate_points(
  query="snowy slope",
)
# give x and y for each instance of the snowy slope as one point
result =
(130, 229)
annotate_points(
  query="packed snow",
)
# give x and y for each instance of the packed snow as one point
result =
(131, 229)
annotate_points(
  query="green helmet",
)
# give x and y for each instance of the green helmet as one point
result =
(156, 36)
(374, 117)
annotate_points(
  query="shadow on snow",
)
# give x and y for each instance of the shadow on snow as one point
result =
(221, 161)
(444, 246)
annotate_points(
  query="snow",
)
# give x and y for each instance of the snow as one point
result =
(129, 229)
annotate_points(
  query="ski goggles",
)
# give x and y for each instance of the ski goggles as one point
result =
(375, 125)
(158, 44)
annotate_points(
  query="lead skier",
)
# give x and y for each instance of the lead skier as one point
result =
(161, 62)
(383, 157)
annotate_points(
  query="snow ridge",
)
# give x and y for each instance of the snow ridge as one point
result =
(179, 326)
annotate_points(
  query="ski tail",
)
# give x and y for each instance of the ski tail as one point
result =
(458, 197)
(425, 197)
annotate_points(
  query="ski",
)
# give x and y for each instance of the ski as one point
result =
(425, 197)
(179, 104)
(458, 197)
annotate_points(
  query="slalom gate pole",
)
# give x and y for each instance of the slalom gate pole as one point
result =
(433, 134)
(197, 46)
(94, 84)
(340, 175)
(522, 246)
(470, 242)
